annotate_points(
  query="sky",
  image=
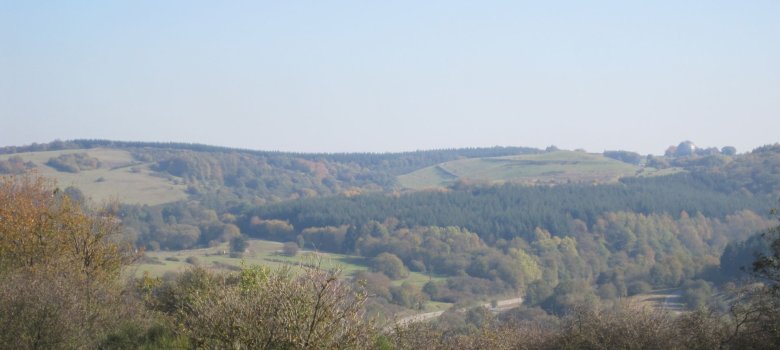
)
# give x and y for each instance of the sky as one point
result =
(384, 76)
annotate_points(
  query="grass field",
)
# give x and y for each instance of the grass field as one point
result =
(268, 253)
(260, 252)
(120, 177)
(542, 168)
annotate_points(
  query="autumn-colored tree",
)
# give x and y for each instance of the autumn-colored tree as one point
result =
(59, 266)
(41, 227)
(390, 265)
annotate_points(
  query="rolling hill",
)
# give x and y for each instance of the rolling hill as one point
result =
(119, 176)
(542, 168)
(158, 173)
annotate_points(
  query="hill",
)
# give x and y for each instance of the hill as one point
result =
(115, 175)
(155, 173)
(597, 227)
(542, 168)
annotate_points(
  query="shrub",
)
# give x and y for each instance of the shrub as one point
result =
(389, 264)
(306, 308)
(639, 288)
(59, 264)
(74, 162)
(15, 165)
(290, 249)
(238, 245)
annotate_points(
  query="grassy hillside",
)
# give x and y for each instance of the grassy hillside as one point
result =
(144, 172)
(119, 177)
(260, 252)
(268, 253)
(549, 167)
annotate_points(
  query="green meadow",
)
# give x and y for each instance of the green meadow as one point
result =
(260, 252)
(543, 168)
(120, 177)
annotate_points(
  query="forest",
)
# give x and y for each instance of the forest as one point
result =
(612, 240)
(700, 227)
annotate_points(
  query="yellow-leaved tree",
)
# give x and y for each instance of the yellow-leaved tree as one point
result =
(59, 268)
(41, 227)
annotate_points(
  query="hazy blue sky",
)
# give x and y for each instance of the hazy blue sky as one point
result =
(392, 75)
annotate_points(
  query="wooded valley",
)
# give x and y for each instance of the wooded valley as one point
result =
(107, 244)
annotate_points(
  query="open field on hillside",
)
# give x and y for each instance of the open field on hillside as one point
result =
(543, 168)
(120, 177)
(268, 253)
(260, 252)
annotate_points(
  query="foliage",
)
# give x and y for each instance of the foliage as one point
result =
(619, 326)
(377, 284)
(729, 150)
(73, 162)
(390, 160)
(290, 249)
(767, 265)
(390, 265)
(754, 318)
(408, 296)
(508, 211)
(15, 165)
(42, 227)
(59, 308)
(133, 336)
(306, 308)
(697, 293)
(738, 257)
(624, 156)
(238, 244)
(488, 235)
(754, 172)
(59, 265)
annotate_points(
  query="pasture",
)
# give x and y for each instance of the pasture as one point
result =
(260, 252)
(119, 178)
(532, 169)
